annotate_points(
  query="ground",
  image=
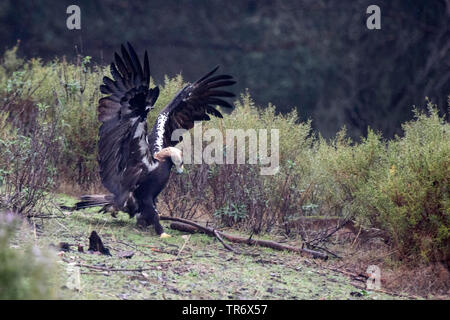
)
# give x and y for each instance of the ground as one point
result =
(182, 267)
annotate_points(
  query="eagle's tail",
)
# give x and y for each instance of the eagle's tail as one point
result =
(95, 200)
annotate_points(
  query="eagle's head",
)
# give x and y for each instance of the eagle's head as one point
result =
(171, 154)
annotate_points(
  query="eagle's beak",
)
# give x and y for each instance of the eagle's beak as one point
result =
(180, 169)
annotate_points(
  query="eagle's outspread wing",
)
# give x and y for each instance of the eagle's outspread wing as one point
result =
(195, 102)
(124, 154)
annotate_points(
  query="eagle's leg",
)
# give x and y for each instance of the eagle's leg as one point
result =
(158, 227)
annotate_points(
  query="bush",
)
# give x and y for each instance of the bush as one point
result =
(30, 136)
(400, 186)
(413, 193)
(71, 92)
(27, 163)
(344, 171)
(189, 191)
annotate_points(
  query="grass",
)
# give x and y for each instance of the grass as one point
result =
(205, 270)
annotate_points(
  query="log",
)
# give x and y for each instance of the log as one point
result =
(183, 227)
(191, 227)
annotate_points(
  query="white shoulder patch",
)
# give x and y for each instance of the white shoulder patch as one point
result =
(162, 119)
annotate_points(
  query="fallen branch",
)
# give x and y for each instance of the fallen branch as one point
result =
(328, 251)
(216, 233)
(198, 228)
(181, 225)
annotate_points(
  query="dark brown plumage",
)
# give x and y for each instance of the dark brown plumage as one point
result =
(126, 154)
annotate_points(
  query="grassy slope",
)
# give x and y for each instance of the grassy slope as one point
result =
(206, 270)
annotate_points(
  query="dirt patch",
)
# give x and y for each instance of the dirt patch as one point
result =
(424, 281)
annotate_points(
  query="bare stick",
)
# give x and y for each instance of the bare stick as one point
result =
(184, 244)
(249, 241)
(227, 246)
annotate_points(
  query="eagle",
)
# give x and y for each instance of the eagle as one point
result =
(134, 165)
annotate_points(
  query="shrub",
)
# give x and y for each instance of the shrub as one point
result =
(185, 194)
(24, 274)
(71, 91)
(30, 136)
(344, 172)
(27, 163)
(412, 195)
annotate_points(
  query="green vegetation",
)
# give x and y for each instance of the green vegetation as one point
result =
(411, 200)
(400, 186)
(26, 271)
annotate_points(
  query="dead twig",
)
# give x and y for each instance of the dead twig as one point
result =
(328, 251)
(184, 244)
(227, 246)
(356, 238)
(237, 239)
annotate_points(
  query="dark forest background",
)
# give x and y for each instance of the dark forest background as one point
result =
(315, 55)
